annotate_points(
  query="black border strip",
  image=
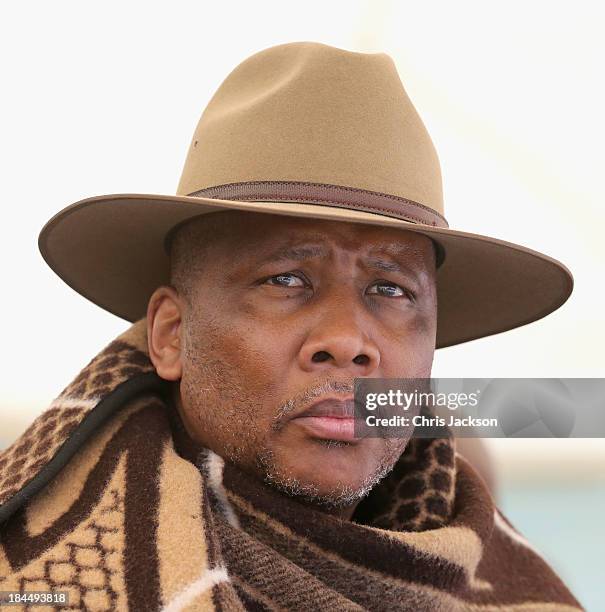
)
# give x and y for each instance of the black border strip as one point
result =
(107, 407)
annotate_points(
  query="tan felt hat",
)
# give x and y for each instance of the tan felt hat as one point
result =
(307, 130)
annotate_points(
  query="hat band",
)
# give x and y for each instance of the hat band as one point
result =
(326, 195)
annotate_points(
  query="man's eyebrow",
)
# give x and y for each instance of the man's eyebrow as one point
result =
(386, 265)
(391, 265)
(401, 258)
(395, 258)
(296, 253)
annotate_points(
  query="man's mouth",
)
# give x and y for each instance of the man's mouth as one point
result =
(329, 419)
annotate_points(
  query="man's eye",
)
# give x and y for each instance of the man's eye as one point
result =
(285, 280)
(387, 289)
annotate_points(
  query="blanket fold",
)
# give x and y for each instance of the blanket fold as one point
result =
(107, 498)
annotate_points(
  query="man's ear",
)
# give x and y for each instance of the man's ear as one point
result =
(164, 329)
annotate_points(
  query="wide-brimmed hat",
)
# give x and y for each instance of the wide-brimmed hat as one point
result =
(307, 130)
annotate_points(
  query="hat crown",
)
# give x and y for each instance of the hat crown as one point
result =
(308, 112)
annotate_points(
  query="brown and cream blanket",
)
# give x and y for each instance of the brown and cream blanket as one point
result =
(105, 497)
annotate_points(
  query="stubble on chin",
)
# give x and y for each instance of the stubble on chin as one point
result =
(341, 495)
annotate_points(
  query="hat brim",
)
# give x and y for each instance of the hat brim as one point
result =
(110, 249)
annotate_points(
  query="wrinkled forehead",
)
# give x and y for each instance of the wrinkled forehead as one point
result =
(240, 233)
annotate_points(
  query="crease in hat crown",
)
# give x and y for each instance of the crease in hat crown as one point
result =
(309, 113)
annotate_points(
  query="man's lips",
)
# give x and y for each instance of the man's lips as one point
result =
(329, 419)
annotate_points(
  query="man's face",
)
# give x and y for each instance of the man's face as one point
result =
(287, 312)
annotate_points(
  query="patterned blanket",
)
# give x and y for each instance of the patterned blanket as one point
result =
(106, 498)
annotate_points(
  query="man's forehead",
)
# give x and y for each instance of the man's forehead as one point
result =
(311, 246)
(236, 238)
(295, 238)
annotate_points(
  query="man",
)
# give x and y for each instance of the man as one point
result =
(312, 305)
(206, 459)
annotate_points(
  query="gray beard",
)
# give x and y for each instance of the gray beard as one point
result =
(341, 496)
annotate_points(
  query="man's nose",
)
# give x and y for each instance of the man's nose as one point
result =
(338, 339)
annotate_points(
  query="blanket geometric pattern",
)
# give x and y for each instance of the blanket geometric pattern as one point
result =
(105, 496)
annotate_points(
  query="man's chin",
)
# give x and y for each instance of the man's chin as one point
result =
(339, 480)
(323, 494)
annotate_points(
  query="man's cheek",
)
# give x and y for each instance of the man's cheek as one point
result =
(414, 361)
(260, 367)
